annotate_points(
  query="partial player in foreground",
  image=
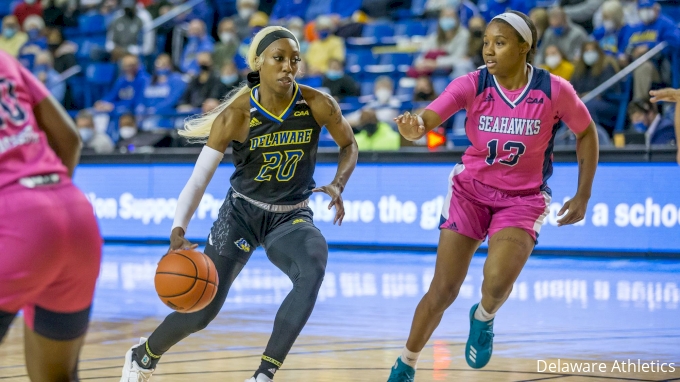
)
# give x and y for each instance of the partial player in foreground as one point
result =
(670, 95)
(274, 126)
(500, 189)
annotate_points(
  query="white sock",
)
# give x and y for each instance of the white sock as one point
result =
(410, 358)
(483, 315)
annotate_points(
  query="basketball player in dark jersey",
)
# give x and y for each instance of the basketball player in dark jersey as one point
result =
(274, 127)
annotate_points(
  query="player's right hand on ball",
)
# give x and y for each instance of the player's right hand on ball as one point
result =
(177, 240)
(411, 126)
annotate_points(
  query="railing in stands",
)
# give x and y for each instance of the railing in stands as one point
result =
(178, 10)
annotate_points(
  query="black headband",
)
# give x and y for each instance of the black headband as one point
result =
(270, 38)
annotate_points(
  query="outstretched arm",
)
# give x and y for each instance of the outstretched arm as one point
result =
(670, 95)
(329, 114)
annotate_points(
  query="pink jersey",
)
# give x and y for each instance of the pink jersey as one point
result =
(512, 132)
(24, 150)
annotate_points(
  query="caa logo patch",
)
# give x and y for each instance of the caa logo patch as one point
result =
(242, 244)
(297, 221)
(535, 100)
(301, 113)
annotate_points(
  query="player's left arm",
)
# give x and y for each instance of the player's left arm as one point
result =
(327, 112)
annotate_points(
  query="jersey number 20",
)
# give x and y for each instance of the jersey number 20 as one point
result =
(274, 161)
(516, 150)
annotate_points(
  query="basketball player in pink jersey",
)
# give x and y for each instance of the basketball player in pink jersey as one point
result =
(500, 189)
(51, 247)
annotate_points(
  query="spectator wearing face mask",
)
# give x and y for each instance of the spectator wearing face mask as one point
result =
(492, 8)
(244, 10)
(230, 76)
(206, 84)
(613, 32)
(93, 141)
(27, 8)
(125, 33)
(464, 9)
(654, 29)
(338, 83)
(64, 52)
(326, 47)
(445, 49)
(12, 38)
(594, 68)
(664, 136)
(556, 63)
(374, 135)
(539, 16)
(44, 71)
(128, 90)
(382, 101)
(164, 90)
(34, 27)
(645, 119)
(134, 140)
(227, 47)
(564, 34)
(424, 90)
(198, 41)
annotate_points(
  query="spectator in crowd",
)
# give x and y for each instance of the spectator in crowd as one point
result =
(230, 76)
(613, 33)
(34, 27)
(383, 101)
(464, 9)
(375, 135)
(594, 68)
(654, 29)
(205, 85)
(296, 26)
(244, 10)
(326, 47)
(383, 9)
(445, 49)
(630, 14)
(476, 27)
(125, 33)
(60, 13)
(209, 105)
(93, 140)
(64, 52)
(202, 11)
(12, 38)
(198, 41)
(492, 8)
(668, 95)
(556, 63)
(645, 118)
(424, 90)
(43, 70)
(581, 11)
(109, 9)
(539, 16)
(128, 90)
(283, 9)
(165, 89)
(227, 47)
(567, 36)
(134, 140)
(27, 8)
(338, 83)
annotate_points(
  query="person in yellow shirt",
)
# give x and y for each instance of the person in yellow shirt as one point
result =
(326, 47)
(12, 38)
(376, 136)
(556, 63)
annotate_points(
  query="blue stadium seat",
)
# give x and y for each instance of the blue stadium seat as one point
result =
(402, 61)
(439, 83)
(418, 7)
(356, 60)
(91, 25)
(6, 7)
(77, 87)
(410, 28)
(367, 88)
(99, 77)
(373, 34)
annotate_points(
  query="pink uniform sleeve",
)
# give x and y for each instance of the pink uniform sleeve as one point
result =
(570, 108)
(457, 95)
(36, 90)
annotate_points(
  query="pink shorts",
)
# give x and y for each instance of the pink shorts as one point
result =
(476, 210)
(51, 252)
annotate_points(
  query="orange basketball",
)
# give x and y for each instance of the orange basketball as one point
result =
(186, 280)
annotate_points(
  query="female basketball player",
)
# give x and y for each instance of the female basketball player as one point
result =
(670, 95)
(274, 127)
(500, 189)
(48, 232)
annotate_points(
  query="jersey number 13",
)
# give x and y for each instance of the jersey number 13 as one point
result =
(516, 150)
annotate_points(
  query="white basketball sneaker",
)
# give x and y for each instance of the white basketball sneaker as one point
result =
(260, 378)
(132, 372)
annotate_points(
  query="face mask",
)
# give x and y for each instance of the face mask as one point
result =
(229, 79)
(162, 72)
(40, 68)
(423, 96)
(370, 128)
(130, 12)
(127, 132)
(640, 127)
(383, 95)
(9, 32)
(334, 74)
(477, 33)
(324, 34)
(245, 13)
(227, 37)
(590, 57)
(86, 134)
(553, 61)
(647, 15)
(33, 34)
(447, 23)
(608, 25)
(559, 31)
(205, 68)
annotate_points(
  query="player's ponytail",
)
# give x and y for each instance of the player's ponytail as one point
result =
(197, 128)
